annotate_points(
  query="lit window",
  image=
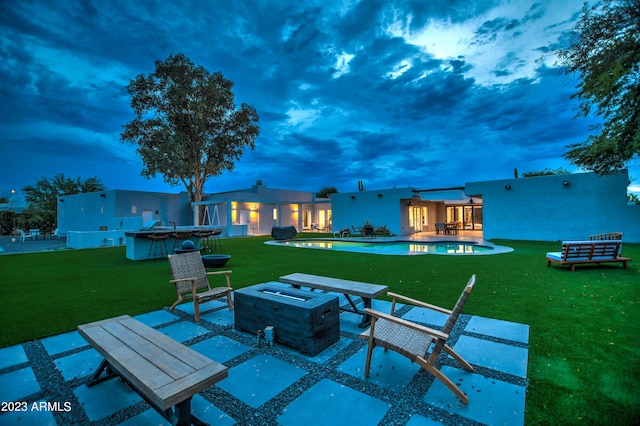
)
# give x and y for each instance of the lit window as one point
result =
(275, 213)
(134, 209)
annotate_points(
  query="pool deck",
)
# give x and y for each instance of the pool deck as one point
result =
(13, 245)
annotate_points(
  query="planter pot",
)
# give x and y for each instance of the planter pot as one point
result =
(215, 260)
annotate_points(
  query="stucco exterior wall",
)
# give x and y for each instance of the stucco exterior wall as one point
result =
(383, 207)
(559, 207)
(254, 208)
(261, 193)
(120, 209)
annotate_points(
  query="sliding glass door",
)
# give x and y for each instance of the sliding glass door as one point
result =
(466, 217)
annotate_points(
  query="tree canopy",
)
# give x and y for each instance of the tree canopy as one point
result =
(43, 196)
(186, 124)
(546, 172)
(605, 53)
(326, 192)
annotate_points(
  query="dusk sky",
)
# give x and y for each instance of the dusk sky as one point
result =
(427, 94)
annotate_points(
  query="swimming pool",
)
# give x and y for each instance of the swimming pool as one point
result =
(403, 248)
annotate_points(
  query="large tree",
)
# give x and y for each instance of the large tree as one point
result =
(42, 197)
(605, 53)
(186, 124)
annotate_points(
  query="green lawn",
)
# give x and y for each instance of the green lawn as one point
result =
(584, 346)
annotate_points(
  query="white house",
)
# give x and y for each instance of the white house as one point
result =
(251, 211)
(256, 210)
(550, 208)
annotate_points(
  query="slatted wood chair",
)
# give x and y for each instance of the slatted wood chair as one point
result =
(191, 281)
(413, 340)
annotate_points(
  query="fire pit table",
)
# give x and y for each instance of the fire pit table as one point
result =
(309, 322)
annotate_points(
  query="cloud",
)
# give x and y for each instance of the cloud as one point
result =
(390, 92)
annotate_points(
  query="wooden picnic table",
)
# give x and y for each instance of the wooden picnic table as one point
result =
(164, 372)
(348, 288)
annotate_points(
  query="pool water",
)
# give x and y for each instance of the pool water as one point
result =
(404, 248)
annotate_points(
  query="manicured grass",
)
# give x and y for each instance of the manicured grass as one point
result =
(584, 346)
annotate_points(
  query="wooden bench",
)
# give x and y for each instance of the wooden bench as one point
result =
(164, 372)
(348, 288)
(606, 236)
(581, 252)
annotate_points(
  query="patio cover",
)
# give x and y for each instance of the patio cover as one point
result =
(448, 196)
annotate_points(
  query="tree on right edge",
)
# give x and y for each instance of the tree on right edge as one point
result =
(605, 52)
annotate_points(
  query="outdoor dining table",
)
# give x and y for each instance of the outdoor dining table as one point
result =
(452, 228)
(367, 230)
(45, 233)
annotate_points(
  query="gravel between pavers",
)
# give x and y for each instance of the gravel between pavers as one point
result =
(403, 404)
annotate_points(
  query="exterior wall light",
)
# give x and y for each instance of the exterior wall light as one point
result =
(103, 195)
(565, 182)
(507, 187)
(353, 197)
(379, 195)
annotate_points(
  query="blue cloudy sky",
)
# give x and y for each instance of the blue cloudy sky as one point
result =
(416, 93)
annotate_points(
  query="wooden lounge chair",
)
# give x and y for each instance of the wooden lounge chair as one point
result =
(413, 340)
(189, 277)
(582, 252)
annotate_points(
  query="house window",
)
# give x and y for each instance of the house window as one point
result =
(275, 213)
(134, 209)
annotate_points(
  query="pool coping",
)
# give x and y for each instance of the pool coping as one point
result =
(495, 249)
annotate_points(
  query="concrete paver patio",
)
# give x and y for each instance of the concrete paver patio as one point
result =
(279, 385)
